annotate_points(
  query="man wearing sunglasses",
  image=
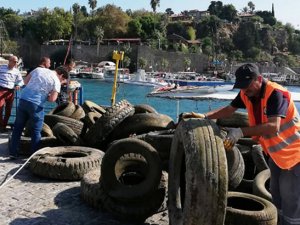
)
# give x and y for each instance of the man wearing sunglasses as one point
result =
(10, 80)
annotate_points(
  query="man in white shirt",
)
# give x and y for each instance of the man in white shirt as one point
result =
(10, 80)
(42, 85)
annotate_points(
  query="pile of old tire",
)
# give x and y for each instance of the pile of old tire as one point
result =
(130, 185)
(198, 179)
(65, 162)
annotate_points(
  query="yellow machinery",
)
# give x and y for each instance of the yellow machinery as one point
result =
(116, 56)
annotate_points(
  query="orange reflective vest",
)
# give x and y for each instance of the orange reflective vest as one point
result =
(284, 146)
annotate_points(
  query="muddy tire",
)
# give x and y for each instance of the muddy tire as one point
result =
(160, 140)
(65, 134)
(144, 108)
(89, 106)
(261, 185)
(142, 123)
(237, 119)
(125, 158)
(75, 125)
(107, 122)
(64, 109)
(236, 167)
(198, 178)
(78, 113)
(91, 118)
(65, 163)
(247, 209)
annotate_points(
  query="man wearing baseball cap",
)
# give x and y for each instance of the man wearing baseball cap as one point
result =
(274, 123)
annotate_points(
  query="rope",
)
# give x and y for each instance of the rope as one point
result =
(5, 180)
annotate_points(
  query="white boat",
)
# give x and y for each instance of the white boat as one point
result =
(141, 78)
(109, 74)
(187, 91)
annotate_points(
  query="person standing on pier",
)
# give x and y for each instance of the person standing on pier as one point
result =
(64, 96)
(10, 80)
(275, 124)
(42, 85)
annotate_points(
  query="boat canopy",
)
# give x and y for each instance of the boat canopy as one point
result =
(106, 63)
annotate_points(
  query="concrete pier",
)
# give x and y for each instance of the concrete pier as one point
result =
(31, 200)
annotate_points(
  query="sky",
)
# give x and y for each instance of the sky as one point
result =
(287, 11)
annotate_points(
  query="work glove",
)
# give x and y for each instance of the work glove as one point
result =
(193, 115)
(233, 135)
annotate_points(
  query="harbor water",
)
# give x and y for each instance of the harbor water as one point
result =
(100, 92)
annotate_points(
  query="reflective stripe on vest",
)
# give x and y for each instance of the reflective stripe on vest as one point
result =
(284, 146)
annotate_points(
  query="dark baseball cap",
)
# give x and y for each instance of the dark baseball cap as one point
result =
(245, 74)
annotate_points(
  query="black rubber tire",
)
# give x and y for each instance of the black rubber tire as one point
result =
(198, 178)
(107, 122)
(236, 167)
(237, 119)
(75, 125)
(92, 192)
(259, 158)
(78, 113)
(160, 140)
(65, 163)
(261, 185)
(247, 209)
(250, 170)
(89, 106)
(91, 118)
(25, 144)
(126, 156)
(64, 109)
(142, 123)
(144, 108)
(65, 134)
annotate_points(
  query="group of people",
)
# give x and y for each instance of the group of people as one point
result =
(41, 85)
(273, 118)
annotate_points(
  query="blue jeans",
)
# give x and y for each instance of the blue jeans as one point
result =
(27, 112)
(284, 187)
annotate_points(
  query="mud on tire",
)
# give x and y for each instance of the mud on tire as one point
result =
(65, 163)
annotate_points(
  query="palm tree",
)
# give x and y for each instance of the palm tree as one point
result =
(99, 33)
(251, 6)
(154, 4)
(93, 5)
(76, 9)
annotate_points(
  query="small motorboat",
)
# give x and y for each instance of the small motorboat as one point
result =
(175, 91)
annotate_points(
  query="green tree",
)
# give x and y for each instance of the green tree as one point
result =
(251, 6)
(99, 33)
(112, 19)
(215, 8)
(154, 4)
(13, 24)
(228, 13)
(76, 10)
(142, 62)
(267, 16)
(191, 33)
(134, 28)
(93, 5)
(169, 11)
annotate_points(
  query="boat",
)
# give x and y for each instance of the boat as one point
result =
(142, 78)
(109, 74)
(195, 79)
(175, 91)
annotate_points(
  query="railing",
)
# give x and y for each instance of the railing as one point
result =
(76, 97)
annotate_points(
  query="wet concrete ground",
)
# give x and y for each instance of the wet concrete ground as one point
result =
(31, 200)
